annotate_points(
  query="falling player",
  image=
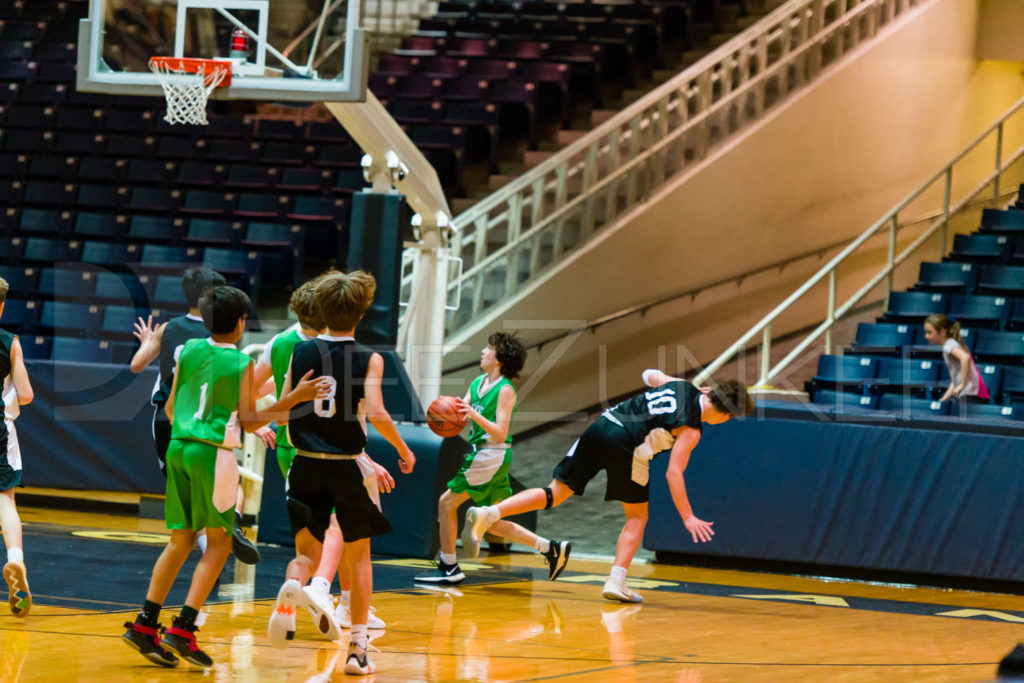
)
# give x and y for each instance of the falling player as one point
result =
(622, 442)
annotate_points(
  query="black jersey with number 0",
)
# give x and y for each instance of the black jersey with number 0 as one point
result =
(6, 342)
(667, 407)
(333, 425)
(178, 331)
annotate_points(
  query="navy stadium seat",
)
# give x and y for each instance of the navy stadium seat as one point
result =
(916, 376)
(913, 407)
(69, 318)
(842, 401)
(988, 412)
(20, 316)
(1004, 221)
(21, 280)
(946, 277)
(881, 339)
(109, 254)
(1001, 280)
(68, 284)
(80, 350)
(913, 307)
(36, 347)
(1012, 388)
(213, 232)
(992, 375)
(981, 248)
(999, 347)
(849, 373)
(99, 225)
(979, 311)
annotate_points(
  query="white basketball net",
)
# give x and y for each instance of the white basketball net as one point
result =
(187, 92)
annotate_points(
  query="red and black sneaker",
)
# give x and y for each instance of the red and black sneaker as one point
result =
(146, 639)
(183, 641)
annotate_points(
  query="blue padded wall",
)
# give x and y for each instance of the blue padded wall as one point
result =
(864, 496)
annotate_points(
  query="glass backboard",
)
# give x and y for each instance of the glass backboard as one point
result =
(279, 53)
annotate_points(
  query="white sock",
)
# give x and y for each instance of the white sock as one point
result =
(201, 543)
(15, 555)
(493, 513)
(359, 635)
(345, 595)
(618, 574)
(321, 585)
(542, 545)
(449, 558)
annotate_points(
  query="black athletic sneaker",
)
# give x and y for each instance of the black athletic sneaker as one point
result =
(146, 639)
(448, 574)
(557, 556)
(183, 641)
(244, 549)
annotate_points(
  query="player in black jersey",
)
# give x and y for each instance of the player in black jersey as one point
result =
(164, 342)
(622, 442)
(15, 391)
(330, 471)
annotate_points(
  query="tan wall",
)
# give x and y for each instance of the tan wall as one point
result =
(820, 169)
(999, 30)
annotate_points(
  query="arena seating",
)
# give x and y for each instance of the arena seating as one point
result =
(980, 285)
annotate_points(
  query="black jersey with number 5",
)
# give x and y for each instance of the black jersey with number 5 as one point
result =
(667, 407)
(335, 424)
(6, 342)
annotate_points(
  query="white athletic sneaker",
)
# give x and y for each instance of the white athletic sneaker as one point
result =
(19, 596)
(358, 661)
(322, 610)
(341, 613)
(281, 628)
(620, 591)
(477, 524)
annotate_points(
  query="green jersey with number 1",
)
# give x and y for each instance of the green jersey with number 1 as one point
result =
(209, 377)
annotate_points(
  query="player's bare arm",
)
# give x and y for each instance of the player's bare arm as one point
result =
(679, 458)
(656, 378)
(169, 406)
(497, 431)
(19, 375)
(309, 388)
(263, 377)
(149, 343)
(378, 415)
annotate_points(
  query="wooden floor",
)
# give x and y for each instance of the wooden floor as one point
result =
(88, 574)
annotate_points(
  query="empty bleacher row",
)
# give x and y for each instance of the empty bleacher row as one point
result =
(890, 366)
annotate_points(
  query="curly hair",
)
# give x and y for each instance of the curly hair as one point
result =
(303, 303)
(732, 398)
(510, 352)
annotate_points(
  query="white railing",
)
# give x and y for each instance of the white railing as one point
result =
(965, 164)
(532, 223)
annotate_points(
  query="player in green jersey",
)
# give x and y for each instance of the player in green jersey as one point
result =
(212, 396)
(489, 405)
(15, 391)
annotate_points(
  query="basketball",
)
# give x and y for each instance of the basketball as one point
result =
(443, 417)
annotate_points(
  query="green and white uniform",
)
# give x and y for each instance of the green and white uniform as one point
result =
(278, 356)
(484, 472)
(202, 472)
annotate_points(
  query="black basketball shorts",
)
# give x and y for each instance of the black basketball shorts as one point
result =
(603, 446)
(317, 488)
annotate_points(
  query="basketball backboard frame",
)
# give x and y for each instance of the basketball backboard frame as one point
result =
(249, 81)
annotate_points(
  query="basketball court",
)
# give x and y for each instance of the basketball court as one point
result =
(506, 622)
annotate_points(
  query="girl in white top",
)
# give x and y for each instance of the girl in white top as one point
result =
(965, 381)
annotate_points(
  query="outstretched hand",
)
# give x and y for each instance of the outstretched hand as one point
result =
(145, 331)
(699, 529)
(310, 388)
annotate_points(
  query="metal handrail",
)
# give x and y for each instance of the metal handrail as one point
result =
(891, 221)
(639, 148)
